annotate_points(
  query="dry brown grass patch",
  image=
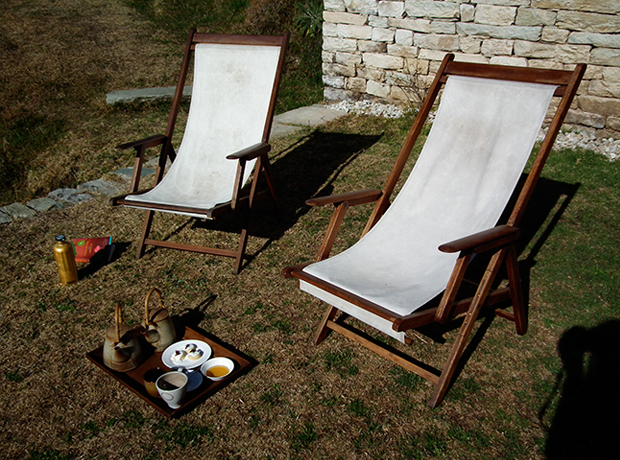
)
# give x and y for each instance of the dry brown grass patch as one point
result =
(59, 61)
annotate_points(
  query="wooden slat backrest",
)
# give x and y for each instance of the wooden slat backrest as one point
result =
(510, 73)
(226, 39)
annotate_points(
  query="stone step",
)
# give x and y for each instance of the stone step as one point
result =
(127, 96)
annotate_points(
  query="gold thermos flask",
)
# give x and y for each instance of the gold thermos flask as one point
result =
(65, 259)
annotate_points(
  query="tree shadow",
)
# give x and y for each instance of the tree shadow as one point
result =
(586, 419)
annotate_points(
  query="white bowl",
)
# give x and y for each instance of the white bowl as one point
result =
(229, 364)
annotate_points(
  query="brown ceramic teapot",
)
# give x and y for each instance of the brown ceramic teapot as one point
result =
(121, 349)
(158, 326)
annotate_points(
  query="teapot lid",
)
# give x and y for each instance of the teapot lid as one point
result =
(111, 332)
(158, 314)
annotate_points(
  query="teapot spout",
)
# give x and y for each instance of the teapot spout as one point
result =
(152, 336)
(121, 355)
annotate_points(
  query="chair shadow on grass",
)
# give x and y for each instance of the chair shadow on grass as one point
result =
(307, 168)
(549, 201)
(586, 423)
(547, 205)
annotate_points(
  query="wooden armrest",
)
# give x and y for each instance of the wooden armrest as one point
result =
(341, 202)
(352, 198)
(146, 143)
(249, 153)
(141, 146)
(484, 240)
(288, 272)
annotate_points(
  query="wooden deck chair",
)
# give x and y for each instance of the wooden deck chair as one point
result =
(419, 247)
(235, 83)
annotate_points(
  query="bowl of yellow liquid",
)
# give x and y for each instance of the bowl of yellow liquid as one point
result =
(217, 368)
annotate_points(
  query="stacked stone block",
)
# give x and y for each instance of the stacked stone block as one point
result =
(390, 50)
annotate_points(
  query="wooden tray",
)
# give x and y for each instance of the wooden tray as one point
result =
(134, 381)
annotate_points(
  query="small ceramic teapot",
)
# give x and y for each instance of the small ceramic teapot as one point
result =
(158, 326)
(121, 349)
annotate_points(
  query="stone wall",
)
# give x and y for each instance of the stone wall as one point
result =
(390, 50)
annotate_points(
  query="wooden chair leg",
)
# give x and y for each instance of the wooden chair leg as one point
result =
(454, 283)
(243, 240)
(516, 291)
(146, 229)
(323, 331)
(269, 177)
(332, 231)
(468, 324)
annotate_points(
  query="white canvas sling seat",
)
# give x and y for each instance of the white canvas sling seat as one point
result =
(483, 133)
(202, 176)
(234, 89)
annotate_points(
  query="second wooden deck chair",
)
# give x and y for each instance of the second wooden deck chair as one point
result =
(416, 250)
(234, 90)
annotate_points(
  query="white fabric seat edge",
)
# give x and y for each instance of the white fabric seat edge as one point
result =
(148, 208)
(353, 310)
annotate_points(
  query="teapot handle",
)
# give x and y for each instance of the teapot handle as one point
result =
(146, 305)
(118, 320)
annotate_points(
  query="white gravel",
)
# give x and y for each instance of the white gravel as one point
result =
(570, 140)
(369, 108)
(566, 140)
